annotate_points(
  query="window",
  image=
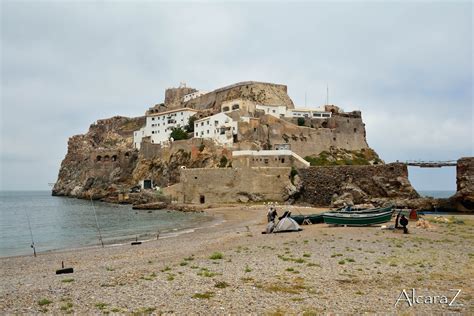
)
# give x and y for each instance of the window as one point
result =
(207, 131)
(222, 131)
(202, 123)
(225, 109)
(207, 122)
(196, 134)
(99, 158)
(152, 118)
(235, 107)
(282, 160)
(216, 123)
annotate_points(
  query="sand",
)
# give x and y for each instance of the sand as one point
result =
(321, 269)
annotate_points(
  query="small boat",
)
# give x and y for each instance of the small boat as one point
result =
(311, 218)
(357, 219)
(350, 210)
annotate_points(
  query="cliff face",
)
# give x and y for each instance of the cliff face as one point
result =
(463, 200)
(100, 161)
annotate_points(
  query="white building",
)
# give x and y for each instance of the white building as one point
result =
(193, 95)
(159, 125)
(309, 113)
(219, 127)
(277, 111)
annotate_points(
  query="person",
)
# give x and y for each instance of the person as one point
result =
(404, 223)
(272, 214)
(397, 219)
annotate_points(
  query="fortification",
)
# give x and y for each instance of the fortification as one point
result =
(356, 184)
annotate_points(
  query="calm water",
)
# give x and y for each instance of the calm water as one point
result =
(60, 222)
(437, 194)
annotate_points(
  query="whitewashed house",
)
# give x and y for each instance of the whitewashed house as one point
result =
(308, 113)
(159, 125)
(220, 127)
(193, 95)
(275, 110)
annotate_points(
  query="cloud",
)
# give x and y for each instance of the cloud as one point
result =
(407, 66)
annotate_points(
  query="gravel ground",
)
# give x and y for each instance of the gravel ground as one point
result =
(319, 270)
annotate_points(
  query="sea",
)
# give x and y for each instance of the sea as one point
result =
(437, 194)
(55, 223)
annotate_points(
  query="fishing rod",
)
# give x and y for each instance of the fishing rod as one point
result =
(97, 223)
(31, 233)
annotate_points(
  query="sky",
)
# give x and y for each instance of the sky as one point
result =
(406, 65)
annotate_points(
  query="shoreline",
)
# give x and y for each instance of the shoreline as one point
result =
(290, 273)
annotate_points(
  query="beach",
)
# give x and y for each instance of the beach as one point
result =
(229, 267)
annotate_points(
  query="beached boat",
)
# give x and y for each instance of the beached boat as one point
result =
(362, 211)
(357, 219)
(312, 218)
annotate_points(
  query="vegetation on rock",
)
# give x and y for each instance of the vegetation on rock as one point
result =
(345, 157)
(177, 133)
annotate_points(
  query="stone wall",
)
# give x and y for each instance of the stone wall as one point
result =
(174, 96)
(323, 185)
(339, 131)
(227, 185)
(260, 92)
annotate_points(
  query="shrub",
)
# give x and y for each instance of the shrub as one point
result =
(190, 127)
(177, 133)
(223, 162)
(216, 256)
(301, 121)
(44, 301)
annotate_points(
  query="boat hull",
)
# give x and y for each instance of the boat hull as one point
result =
(313, 218)
(364, 219)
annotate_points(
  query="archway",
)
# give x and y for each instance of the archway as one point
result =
(433, 182)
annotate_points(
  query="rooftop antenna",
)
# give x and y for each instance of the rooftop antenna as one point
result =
(31, 234)
(327, 94)
(97, 223)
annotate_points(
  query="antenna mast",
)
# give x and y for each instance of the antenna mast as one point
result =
(327, 94)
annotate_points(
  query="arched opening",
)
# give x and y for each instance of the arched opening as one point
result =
(225, 109)
(235, 107)
(324, 124)
(433, 182)
(106, 158)
(99, 158)
(127, 154)
(114, 158)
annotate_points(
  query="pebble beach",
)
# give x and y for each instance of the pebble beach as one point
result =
(231, 268)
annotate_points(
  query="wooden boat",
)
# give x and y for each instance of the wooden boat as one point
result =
(357, 219)
(312, 218)
(363, 211)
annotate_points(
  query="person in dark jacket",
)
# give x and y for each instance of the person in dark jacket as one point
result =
(404, 223)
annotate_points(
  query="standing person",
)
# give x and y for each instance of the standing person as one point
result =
(404, 223)
(272, 214)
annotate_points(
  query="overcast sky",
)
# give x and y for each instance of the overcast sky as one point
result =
(406, 66)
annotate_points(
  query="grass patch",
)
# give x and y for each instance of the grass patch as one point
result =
(184, 263)
(205, 295)
(66, 307)
(312, 264)
(306, 255)
(190, 258)
(109, 269)
(247, 269)
(341, 262)
(350, 260)
(67, 280)
(336, 255)
(170, 277)
(149, 277)
(44, 301)
(206, 273)
(101, 305)
(221, 285)
(216, 256)
(166, 269)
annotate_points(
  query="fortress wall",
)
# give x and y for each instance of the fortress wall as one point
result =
(340, 131)
(227, 185)
(321, 183)
(260, 92)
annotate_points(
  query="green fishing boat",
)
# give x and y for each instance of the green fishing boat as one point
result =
(310, 218)
(351, 210)
(357, 219)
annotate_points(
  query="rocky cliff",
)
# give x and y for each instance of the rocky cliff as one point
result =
(463, 200)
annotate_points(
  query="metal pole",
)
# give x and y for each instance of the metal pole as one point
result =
(97, 224)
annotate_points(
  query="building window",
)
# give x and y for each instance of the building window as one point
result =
(202, 123)
(208, 131)
(207, 122)
(225, 109)
(235, 107)
(114, 158)
(216, 123)
(196, 134)
(152, 118)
